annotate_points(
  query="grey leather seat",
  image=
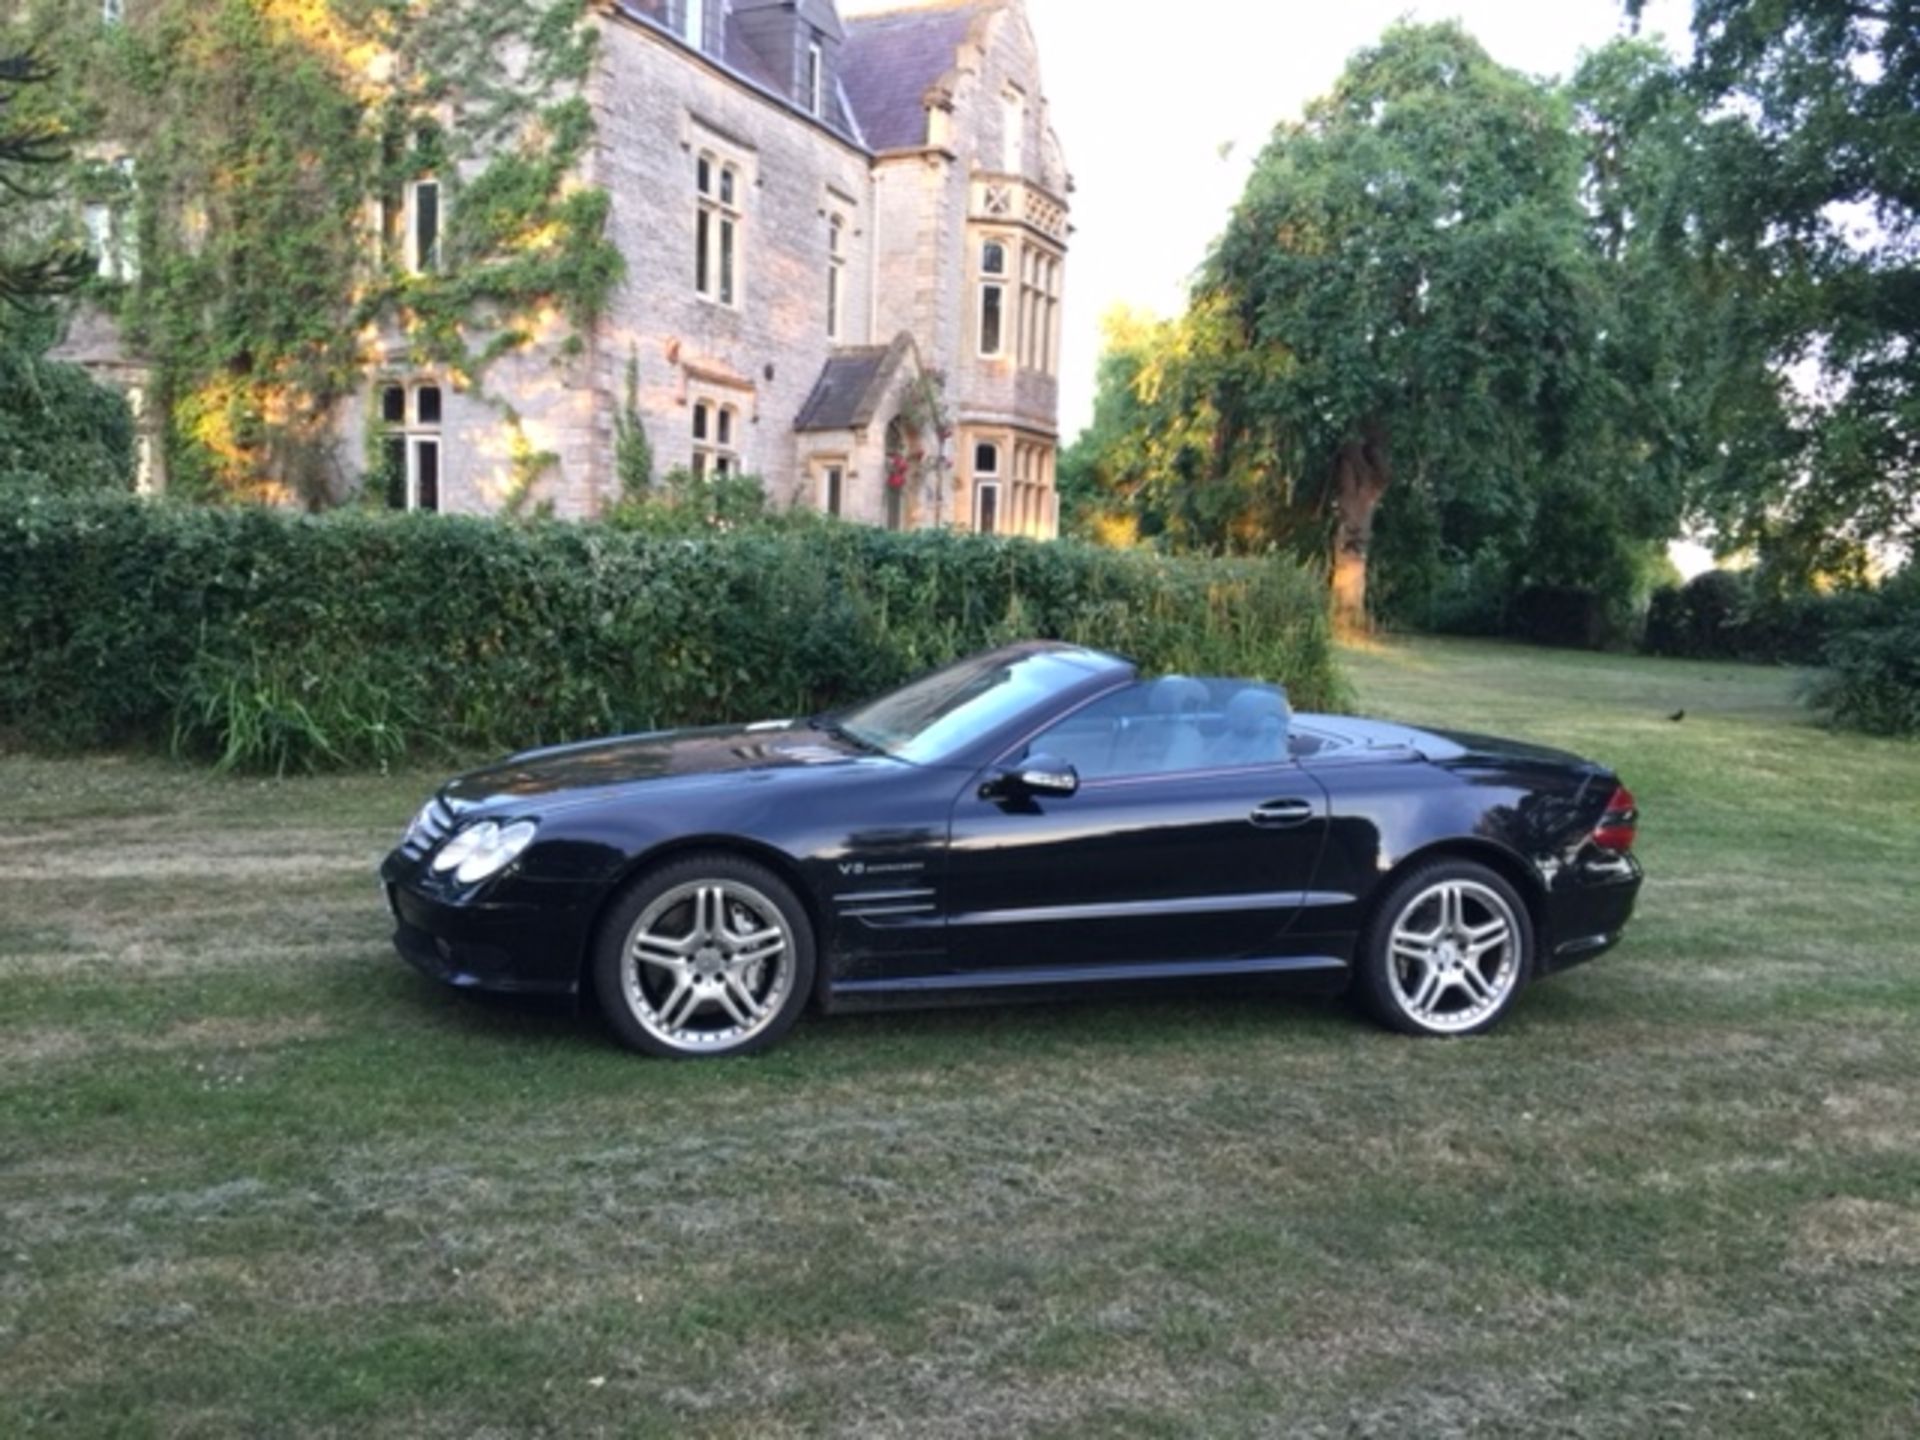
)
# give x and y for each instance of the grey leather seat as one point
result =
(1167, 738)
(1256, 733)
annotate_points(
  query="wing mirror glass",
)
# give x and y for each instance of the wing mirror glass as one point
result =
(1036, 775)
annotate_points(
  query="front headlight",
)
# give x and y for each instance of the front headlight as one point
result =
(484, 849)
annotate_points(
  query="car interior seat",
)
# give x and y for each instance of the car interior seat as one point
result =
(1168, 736)
(1256, 733)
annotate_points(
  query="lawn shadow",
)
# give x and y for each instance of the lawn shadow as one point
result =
(1010, 1028)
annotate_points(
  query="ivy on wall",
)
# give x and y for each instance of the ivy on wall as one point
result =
(268, 137)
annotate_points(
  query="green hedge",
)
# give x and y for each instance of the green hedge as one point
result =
(1725, 615)
(274, 640)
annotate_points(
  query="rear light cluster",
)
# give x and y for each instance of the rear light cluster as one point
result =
(1619, 824)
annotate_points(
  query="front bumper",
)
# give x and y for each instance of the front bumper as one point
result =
(1587, 909)
(526, 939)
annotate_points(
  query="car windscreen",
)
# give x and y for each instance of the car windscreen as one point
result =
(939, 714)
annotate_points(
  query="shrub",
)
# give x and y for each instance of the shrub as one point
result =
(1872, 680)
(1726, 615)
(1567, 615)
(274, 640)
(59, 430)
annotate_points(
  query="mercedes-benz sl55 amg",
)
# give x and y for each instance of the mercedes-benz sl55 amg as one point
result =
(1041, 820)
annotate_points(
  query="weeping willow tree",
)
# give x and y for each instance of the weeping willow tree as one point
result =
(1403, 295)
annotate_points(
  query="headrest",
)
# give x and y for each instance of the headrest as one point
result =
(1177, 695)
(1255, 711)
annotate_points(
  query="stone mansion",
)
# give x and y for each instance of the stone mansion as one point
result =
(816, 212)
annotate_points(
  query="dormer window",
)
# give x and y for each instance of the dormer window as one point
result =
(1013, 132)
(816, 78)
(696, 23)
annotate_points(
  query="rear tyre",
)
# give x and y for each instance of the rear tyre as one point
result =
(707, 956)
(1447, 952)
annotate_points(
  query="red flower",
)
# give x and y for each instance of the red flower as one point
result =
(897, 472)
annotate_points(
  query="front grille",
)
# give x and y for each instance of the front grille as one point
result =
(432, 825)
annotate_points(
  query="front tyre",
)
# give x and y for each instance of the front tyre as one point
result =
(1447, 952)
(707, 956)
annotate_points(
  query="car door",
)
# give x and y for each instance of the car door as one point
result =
(1186, 842)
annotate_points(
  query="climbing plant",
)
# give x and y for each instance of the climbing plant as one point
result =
(272, 143)
(632, 451)
(923, 408)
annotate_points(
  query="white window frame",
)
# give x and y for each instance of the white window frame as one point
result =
(836, 275)
(716, 452)
(816, 78)
(1013, 131)
(112, 234)
(992, 283)
(694, 20)
(719, 184)
(98, 218)
(985, 480)
(416, 435)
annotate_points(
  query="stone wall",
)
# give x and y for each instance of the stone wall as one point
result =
(910, 248)
(658, 107)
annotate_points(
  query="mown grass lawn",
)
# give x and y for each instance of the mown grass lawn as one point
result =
(256, 1178)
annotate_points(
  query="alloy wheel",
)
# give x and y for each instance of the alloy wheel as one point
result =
(708, 965)
(1454, 955)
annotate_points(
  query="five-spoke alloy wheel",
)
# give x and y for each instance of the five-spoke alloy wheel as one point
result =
(710, 955)
(1448, 950)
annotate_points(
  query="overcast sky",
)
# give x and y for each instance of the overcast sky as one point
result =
(1145, 96)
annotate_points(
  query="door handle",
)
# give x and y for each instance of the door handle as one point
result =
(1276, 814)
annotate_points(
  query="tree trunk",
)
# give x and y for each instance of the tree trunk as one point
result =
(1361, 474)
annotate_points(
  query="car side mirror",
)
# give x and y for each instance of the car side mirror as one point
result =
(1035, 775)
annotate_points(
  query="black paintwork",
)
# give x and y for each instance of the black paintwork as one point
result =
(927, 883)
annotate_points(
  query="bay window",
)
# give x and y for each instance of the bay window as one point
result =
(993, 300)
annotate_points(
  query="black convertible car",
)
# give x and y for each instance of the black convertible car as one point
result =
(1038, 820)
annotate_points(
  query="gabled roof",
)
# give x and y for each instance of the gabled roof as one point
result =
(853, 385)
(737, 56)
(894, 57)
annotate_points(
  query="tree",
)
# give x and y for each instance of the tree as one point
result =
(1403, 295)
(1821, 205)
(32, 150)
